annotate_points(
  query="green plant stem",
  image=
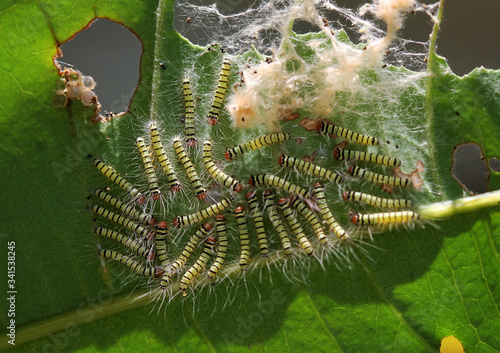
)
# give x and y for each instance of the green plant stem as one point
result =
(429, 103)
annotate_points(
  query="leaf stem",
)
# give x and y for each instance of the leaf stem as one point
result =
(467, 204)
(155, 85)
(431, 74)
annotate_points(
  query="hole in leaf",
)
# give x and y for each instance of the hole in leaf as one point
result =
(469, 168)
(494, 165)
(111, 54)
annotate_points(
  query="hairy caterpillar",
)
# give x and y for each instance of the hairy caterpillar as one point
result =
(378, 178)
(258, 221)
(266, 140)
(189, 112)
(376, 201)
(277, 222)
(384, 218)
(273, 180)
(245, 253)
(198, 266)
(135, 245)
(112, 175)
(122, 220)
(194, 179)
(326, 213)
(335, 130)
(220, 93)
(134, 265)
(215, 172)
(162, 158)
(310, 168)
(297, 229)
(341, 154)
(222, 245)
(150, 170)
(196, 217)
(128, 209)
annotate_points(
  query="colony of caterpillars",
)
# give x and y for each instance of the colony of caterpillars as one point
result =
(300, 218)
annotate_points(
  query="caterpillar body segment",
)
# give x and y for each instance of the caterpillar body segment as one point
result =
(122, 220)
(392, 204)
(198, 266)
(112, 175)
(258, 220)
(220, 93)
(335, 130)
(162, 158)
(222, 245)
(385, 218)
(149, 168)
(186, 253)
(311, 217)
(326, 213)
(343, 154)
(215, 172)
(295, 226)
(161, 243)
(189, 112)
(241, 220)
(273, 180)
(127, 208)
(277, 222)
(310, 168)
(134, 265)
(378, 178)
(181, 221)
(265, 140)
(193, 177)
(135, 245)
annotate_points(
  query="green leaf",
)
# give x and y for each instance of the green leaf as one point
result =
(416, 287)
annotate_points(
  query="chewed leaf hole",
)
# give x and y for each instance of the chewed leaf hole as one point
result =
(494, 165)
(111, 54)
(469, 168)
